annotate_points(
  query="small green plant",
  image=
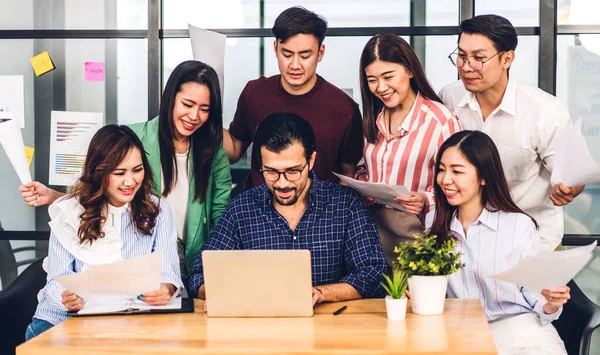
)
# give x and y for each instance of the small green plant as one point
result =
(427, 257)
(397, 286)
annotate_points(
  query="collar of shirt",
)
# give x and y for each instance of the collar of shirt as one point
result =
(316, 199)
(508, 104)
(487, 218)
(404, 128)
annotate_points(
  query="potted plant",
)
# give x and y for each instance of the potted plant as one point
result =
(427, 263)
(395, 301)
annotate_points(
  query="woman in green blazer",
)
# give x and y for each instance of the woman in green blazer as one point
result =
(186, 156)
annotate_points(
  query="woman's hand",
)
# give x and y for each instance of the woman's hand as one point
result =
(158, 297)
(71, 301)
(36, 194)
(413, 204)
(556, 298)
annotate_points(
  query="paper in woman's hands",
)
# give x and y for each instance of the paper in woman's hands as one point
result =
(548, 269)
(12, 142)
(381, 193)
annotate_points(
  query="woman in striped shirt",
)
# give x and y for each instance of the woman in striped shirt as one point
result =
(474, 206)
(110, 215)
(404, 123)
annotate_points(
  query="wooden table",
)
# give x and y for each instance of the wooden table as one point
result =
(363, 328)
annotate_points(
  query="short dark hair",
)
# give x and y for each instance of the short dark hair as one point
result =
(296, 20)
(496, 28)
(278, 131)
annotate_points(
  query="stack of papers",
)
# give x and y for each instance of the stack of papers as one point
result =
(115, 287)
(381, 193)
(548, 269)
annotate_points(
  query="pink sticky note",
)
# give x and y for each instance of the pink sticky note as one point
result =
(94, 71)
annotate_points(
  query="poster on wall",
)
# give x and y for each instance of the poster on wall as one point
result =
(12, 97)
(70, 135)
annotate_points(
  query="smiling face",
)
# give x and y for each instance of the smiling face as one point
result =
(297, 59)
(285, 192)
(390, 83)
(459, 180)
(493, 74)
(191, 109)
(125, 181)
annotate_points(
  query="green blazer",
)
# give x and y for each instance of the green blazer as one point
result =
(200, 216)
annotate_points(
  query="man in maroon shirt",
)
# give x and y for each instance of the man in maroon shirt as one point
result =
(335, 117)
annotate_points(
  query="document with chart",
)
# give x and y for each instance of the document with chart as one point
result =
(70, 136)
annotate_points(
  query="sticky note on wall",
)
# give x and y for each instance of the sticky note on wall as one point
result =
(42, 63)
(29, 154)
(94, 71)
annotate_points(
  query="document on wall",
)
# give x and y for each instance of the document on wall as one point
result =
(209, 47)
(381, 193)
(70, 136)
(12, 97)
(548, 269)
(573, 161)
(12, 142)
(115, 287)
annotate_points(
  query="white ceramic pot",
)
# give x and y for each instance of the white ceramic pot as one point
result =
(427, 294)
(395, 307)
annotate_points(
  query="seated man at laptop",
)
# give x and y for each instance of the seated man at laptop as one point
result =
(296, 210)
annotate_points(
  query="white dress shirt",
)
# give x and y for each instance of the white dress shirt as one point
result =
(494, 243)
(525, 128)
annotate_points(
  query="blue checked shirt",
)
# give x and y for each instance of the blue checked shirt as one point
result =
(336, 228)
(62, 262)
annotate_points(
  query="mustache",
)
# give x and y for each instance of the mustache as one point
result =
(284, 190)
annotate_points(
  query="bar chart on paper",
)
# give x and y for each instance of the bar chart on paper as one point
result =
(71, 133)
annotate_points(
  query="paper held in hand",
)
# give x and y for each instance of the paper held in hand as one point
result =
(381, 193)
(115, 287)
(12, 142)
(548, 269)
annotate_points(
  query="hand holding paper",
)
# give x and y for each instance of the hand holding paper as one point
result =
(548, 269)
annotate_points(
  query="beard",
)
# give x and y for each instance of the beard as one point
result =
(290, 201)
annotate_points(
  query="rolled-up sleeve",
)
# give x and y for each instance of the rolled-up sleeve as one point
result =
(363, 252)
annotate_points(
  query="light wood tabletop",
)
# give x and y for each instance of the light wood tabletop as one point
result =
(363, 328)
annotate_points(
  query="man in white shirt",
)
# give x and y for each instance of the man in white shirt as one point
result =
(523, 120)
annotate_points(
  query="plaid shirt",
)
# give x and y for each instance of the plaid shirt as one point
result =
(336, 228)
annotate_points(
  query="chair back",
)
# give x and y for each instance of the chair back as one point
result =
(579, 318)
(17, 305)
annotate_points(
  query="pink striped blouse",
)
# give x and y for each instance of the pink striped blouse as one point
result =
(408, 158)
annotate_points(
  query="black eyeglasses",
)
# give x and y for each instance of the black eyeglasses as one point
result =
(290, 175)
(476, 63)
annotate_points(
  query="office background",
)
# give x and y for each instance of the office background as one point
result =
(142, 41)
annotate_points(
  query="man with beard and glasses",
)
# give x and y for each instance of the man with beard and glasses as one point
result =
(293, 209)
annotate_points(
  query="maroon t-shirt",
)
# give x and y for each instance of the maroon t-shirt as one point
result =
(334, 116)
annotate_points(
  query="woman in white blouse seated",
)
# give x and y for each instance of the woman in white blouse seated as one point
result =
(474, 206)
(109, 216)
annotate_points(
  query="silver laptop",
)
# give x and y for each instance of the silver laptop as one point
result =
(258, 283)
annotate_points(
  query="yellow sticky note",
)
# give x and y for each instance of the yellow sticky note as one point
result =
(42, 63)
(29, 153)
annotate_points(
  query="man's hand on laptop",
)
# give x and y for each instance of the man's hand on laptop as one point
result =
(317, 296)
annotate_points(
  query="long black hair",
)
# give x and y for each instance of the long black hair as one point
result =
(478, 149)
(205, 142)
(391, 48)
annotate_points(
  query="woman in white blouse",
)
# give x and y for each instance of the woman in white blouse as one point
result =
(109, 216)
(474, 206)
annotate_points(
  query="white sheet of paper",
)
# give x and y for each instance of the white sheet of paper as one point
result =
(548, 269)
(12, 97)
(119, 281)
(573, 162)
(11, 139)
(70, 136)
(209, 47)
(382, 193)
